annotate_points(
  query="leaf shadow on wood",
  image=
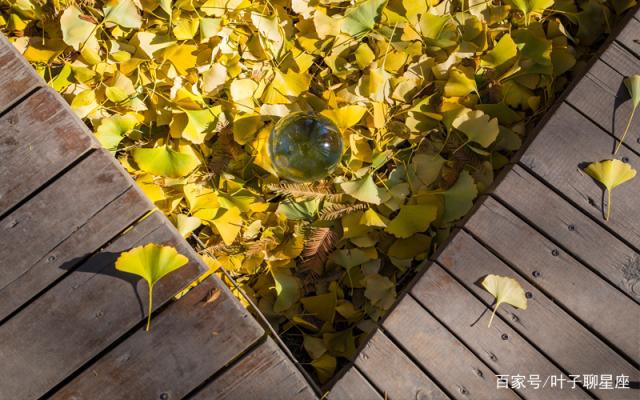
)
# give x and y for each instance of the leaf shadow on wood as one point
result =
(622, 96)
(478, 283)
(103, 263)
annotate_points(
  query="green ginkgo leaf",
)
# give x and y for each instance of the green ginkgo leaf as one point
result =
(502, 53)
(610, 173)
(505, 290)
(112, 130)
(164, 161)
(288, 289)
(530, 6)
(458, 200)
(633, 86)
(151, 262)
(362, 18)
(364, 189)
(412, 219)
(123, 13)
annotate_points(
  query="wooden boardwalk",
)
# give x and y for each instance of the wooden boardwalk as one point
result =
(542, 224)
(71, 326)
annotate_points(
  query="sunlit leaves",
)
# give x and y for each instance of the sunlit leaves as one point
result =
(164, 161)
(530, 6)
(123, 13)
(505, 290)
(364, 189)
(610, 173)
(362, 18)
(76, 31)
(151, 262)
(412, 219)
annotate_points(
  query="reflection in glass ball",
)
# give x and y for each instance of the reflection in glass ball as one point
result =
(305, 147)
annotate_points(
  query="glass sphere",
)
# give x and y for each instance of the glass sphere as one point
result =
(304, 147)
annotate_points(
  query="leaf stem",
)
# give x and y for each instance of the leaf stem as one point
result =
(493, 314)
(150, 307)
(633, 111)
(606, 217)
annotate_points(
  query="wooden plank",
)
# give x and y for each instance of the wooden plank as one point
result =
(620, 59)
(59, 235)
(500, 346)
(450, 363)
(353, 386)
(265, 373)
(38, 139)
(611, 108)
(393, 373)
(189, 341)
(573, 230)
(17, 77)
(587, 296)
(84, 313)
(630, 36)
(559, 152)
(554, 332)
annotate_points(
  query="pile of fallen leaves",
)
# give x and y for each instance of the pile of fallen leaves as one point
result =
(431, 99)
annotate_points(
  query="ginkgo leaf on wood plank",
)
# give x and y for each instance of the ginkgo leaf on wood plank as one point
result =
(164, 161)
(633, 87)
(151, 262)
(412, 219)
(362, 17)
(610, 173)
(505, 290)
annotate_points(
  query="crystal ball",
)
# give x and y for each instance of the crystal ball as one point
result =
(304, 147)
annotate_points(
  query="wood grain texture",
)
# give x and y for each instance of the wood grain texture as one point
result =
(38, 139)
(629, 37)
(264, 373)
(189, 341)
(17, 78)
(63, 224)
(566, 144)
(618, 58)
(573, 230)
(558, 335)
(611, 107)
(440, 353)
(500, 346)
(80, 316)
(393, 373)
(353, 386)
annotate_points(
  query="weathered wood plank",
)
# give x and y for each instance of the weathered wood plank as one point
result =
(17, 78)
(611, 108)
(559, 152)
(547, 326)
(38, 139)
(591, 299)
(189, 341)
(450, 363)
(630, 36)
(353, 386)
(66, 222)
(620, 60)
(265, 373)
(500, 346)
(84, 313)
(572, 229)
(393, 373)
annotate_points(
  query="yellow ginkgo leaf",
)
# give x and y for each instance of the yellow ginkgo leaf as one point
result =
(345, 117)
(164, 161)
(228, 223)
(151, 262)
(610, 173)
(505, 290)
(286, 86)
